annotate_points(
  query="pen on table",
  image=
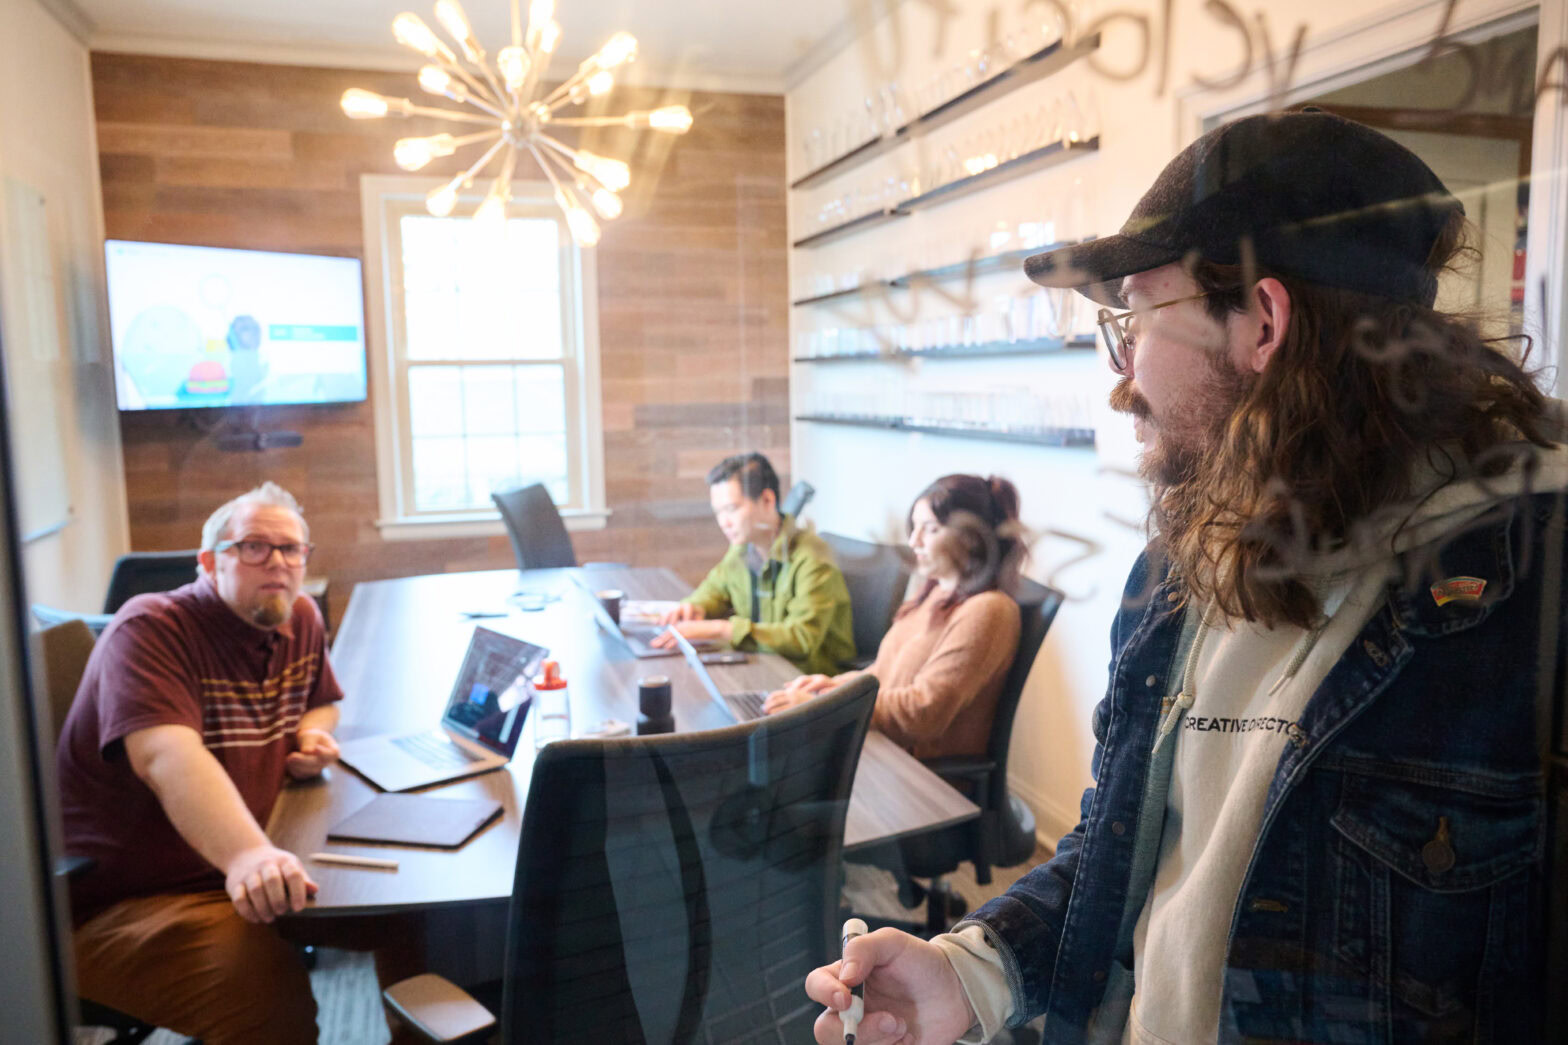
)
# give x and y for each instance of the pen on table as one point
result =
(346, 860)
(857, 999)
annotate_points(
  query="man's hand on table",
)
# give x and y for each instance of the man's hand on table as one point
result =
(317, 750)
(913, 996)
(682, 611)
(266, 883)
(695, 630)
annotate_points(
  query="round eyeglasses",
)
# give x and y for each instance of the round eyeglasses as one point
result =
(259, 553)
(1119, 340)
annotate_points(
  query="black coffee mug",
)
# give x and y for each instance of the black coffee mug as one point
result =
(611, 601)
(653, 701)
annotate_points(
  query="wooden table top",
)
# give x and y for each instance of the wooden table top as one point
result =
(396, 655)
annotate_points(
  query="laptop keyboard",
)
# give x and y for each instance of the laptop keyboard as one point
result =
(746, 706)
(435, 750)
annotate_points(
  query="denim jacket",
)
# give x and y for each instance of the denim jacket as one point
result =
(1394, 892)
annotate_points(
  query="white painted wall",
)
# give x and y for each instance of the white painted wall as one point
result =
(866, 478)
(47, 144)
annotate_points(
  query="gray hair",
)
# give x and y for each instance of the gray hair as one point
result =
(216, 528)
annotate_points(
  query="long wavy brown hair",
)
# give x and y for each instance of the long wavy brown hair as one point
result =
(1363, 395)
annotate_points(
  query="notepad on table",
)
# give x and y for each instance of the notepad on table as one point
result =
(417, 820)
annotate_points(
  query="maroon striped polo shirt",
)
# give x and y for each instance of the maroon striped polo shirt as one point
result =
(182, 658)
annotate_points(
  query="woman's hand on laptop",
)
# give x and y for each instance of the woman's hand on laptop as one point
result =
(682, 611)
(695, 630)
(317, 750)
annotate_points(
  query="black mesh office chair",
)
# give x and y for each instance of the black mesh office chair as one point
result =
(877, 576)
(63, 650)
(141, 572)
(671, 888)
(1003, 834)
(539, 537)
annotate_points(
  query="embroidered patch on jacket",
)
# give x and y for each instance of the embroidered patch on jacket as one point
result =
(1468, 589)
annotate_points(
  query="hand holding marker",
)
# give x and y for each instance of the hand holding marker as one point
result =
(857, 1002)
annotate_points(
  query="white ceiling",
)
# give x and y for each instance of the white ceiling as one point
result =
(745, 45)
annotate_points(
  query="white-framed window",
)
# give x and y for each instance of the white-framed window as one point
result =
(484, 356)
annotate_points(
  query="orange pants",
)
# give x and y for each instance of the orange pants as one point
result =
(188, 962)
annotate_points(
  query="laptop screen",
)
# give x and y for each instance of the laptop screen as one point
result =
(490, 700)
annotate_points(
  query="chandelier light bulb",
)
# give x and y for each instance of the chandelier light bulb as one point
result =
(440, 202)
(612, 174)
(549, 36)
(540, 12)
(607, 203)
(437, 80)
(493, 210)
(621, 48)
(601, 82)
(671, 119)
(585, 231)
(453, 19)
(411, 31)
(360, 104)
(414, 153)
(514, 65)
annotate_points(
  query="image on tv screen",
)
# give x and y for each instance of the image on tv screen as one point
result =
(206, 326)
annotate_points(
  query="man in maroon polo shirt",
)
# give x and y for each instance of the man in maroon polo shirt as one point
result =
(193, 707)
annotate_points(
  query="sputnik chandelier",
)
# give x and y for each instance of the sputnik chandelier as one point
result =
(516, 113)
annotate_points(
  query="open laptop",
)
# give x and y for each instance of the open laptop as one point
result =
(637, 635)
(742, 707)
(479, 728)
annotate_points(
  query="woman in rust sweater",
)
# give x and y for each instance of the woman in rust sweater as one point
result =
(943, 662)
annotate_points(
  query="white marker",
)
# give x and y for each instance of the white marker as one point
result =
(857, 1000)
(354, 861)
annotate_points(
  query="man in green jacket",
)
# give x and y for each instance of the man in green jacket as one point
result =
(776, 589)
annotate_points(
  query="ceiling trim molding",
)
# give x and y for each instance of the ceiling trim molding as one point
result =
(73, 18)
(388, 59)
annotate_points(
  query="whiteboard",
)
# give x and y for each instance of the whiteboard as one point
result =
(34, 354)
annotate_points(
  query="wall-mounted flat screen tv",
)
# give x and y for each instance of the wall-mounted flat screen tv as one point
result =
(207, 326)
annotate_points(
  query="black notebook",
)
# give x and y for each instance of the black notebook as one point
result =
(417, 820)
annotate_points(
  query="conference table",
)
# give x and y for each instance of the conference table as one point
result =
(397, 655)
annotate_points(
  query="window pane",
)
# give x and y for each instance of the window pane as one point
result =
(435, 401)
(478, 429)
(488, 406)
(478, 290)
(439, 480)
(541, 398)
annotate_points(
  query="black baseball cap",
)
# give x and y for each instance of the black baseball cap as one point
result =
(1320, 197)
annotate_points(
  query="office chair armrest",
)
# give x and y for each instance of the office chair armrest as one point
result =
(962, 767)
(438, 1009)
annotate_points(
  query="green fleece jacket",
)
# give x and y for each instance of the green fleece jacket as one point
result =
(802, 601)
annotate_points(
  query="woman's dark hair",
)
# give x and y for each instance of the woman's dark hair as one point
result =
(984, 541)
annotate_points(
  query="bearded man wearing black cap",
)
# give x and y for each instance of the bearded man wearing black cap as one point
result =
(1318, 812)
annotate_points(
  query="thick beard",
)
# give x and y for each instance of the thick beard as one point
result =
(271, 612)
(1182, 463)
